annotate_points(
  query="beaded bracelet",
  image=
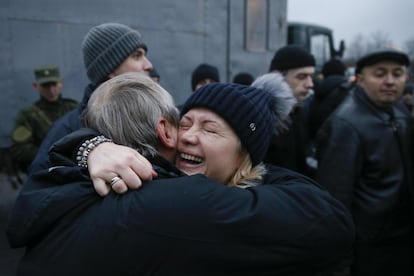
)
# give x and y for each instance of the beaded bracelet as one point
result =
(87, 147)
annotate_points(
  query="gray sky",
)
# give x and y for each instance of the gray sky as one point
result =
(348, 18)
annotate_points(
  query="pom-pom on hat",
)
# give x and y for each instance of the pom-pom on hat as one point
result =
(290, 57)
(106, 46)
(204, 71)
(254, 112)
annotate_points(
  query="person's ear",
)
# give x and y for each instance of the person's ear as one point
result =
(167, 133)
(359, 78)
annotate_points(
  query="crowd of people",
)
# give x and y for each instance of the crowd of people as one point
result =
(279, 174)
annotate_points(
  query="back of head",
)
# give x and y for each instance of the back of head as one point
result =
(106, 46)
(126, 109)
(254, 112)
(154, 73)
(386, 54)
(291, 57)
(408, 89)
(333, 67)
(46, 73)
(243, 78)
(204, 71)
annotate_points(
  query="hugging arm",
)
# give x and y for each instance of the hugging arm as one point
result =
(46, 195)
(108, 161)
(129, 165)
(292, 201)
(291, 221)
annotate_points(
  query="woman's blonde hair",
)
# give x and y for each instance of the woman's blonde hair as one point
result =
(247, 175)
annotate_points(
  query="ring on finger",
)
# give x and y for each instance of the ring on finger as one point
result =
(114, 180)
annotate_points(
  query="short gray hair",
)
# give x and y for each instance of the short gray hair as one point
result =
(126, 109)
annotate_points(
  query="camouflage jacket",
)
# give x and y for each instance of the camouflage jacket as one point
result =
(32, 124)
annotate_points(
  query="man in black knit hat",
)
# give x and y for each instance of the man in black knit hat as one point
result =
(204, 74)
(243, 78)
(297, 66)
(329, 94)
(109, 49)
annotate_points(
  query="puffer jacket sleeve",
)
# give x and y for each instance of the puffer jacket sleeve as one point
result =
(49, 193)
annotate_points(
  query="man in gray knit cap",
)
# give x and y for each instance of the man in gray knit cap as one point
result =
(109, 50)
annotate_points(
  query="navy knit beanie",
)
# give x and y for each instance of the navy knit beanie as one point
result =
(254, 112)
(106, 46)
(290, 57)
(204, 71)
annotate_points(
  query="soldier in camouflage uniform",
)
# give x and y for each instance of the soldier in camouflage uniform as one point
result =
(32, 123)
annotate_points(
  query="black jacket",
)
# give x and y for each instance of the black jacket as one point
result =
(288, 149)
(364, 160)
(331, 92)
(176, 225)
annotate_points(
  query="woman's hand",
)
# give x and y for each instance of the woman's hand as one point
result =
(107, 161)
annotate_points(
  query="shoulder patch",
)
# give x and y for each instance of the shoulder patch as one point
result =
(21, 134)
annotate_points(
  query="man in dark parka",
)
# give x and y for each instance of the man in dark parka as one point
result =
(289, 149)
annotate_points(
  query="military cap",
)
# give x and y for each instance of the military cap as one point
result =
(48, 73)
(382, 55)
